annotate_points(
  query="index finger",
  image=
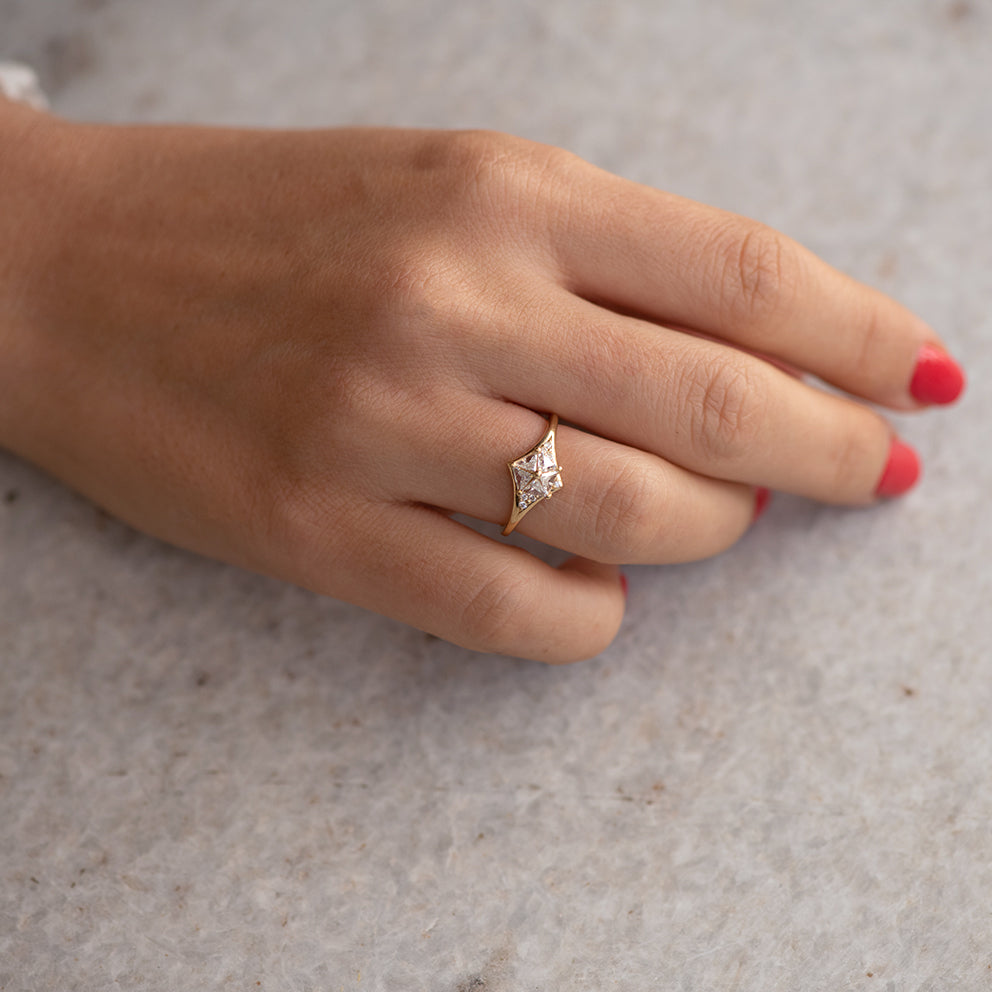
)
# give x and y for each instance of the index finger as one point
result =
(679, 262)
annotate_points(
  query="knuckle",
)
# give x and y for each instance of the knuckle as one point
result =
(721, 408)
(476, 150)
(758, 272)
(479, 160)
(625, 520)
(495, 613)
(503, 188)
(510, 178)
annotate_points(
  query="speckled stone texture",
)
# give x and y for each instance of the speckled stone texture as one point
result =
(776, 780)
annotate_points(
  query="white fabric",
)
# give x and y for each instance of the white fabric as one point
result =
(18, 82)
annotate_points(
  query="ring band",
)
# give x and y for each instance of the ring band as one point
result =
(536, 476)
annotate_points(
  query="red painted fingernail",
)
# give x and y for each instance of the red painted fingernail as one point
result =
(623, 584)
(937, 378)
(761, 498)
(901, 471)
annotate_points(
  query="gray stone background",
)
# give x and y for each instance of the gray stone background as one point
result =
(777, 778)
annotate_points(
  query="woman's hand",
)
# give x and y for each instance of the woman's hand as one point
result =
(302, 352)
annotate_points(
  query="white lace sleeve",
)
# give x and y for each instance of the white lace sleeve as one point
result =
(18, 82)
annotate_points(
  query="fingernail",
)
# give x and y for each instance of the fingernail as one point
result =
(901, 471)
(937, 378)
(761, 499)
(623, 584)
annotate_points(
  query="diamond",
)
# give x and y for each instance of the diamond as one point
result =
(536, 475)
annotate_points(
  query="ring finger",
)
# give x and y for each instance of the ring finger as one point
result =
(617, 504)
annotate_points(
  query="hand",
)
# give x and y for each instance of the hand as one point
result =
(302, 352)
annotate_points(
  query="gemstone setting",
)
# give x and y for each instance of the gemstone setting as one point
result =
(536, 475)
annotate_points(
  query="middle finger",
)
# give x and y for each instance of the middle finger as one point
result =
(708, 407)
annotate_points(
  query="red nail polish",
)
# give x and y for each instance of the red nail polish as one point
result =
(761, 498)
(901, 471)
(937, 378)
(623, 584)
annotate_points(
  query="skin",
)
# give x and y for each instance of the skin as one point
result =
(302, 352)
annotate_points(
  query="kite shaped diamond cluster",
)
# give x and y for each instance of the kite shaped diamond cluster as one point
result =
(537, 474)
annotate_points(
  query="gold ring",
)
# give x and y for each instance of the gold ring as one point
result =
(536, 476)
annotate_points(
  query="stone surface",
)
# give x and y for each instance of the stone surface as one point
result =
(778, 777)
